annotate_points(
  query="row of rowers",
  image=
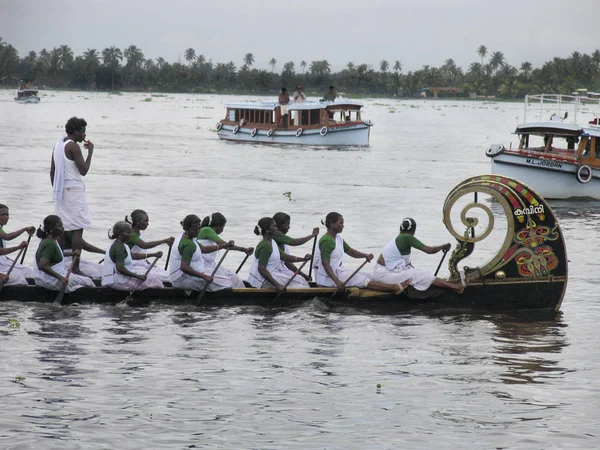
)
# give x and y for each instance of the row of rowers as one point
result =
(194, 260)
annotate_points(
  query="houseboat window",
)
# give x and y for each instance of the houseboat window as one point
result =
(232, 115)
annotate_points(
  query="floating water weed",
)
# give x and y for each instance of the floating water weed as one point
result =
(14, 324)
(288, 195)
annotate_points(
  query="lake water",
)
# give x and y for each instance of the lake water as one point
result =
(99, 377)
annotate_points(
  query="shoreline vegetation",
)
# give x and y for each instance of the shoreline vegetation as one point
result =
(113, 70)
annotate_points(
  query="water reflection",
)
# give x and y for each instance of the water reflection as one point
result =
(528, 351)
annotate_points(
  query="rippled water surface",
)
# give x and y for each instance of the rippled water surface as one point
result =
(305, 378)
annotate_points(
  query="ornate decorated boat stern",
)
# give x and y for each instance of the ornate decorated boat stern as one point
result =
(529, 270)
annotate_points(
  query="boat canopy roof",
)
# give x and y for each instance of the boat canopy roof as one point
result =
(28, 90)
(550, 127)
(270, 106)
(591, 131)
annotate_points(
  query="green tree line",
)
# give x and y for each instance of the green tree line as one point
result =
(113, 68)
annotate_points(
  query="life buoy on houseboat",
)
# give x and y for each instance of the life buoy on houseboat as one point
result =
(219, 126)
(299, 132)
(494, 150)
(583, 176)
(253, 132)
(236, 129)
(270, 133)
(323, 131)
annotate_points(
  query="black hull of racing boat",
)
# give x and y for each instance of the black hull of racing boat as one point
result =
(497, 296)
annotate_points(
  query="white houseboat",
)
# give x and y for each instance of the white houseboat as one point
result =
(559, 154)
(336, 123)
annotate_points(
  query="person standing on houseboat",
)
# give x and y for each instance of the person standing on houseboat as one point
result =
(394, 264)
(328, 261)
(139, 221)
(67, 169)
(283, 241)
(49, 269)
(299, 96)
(284, 100)
(266, 270)
(20, 272)
(330, 95)
(186, 266)
(210, 229)
(118, 270)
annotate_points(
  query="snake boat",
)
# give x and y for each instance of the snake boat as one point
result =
(527, 272)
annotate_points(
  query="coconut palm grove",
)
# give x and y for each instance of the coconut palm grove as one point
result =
(112, 68)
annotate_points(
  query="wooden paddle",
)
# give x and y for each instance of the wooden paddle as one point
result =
(26, 247)
(242, 264)
(2, 282)
(288, 282)
(168, 256)
(130, 296)
(440, 264)
(61, 293)
(203, 291)
(312, 257)
(350, 277)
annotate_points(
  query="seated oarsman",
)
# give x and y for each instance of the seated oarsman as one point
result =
(328, 261)
(20, 272)
(118, 271)
(139, 221)
(186, 266)
(266, 270)
(284, 242)
(49, 269)
(210, 230)
(394, 264)
(88, 268)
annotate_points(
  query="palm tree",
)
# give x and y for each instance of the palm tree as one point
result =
(66, 59)
(526, 69)
(496, 61)
(303, 65)
(273, 63)
(289, 68)
(112, 57)
(190, 55)
(350, 66)
(249, 59)
(135, 59)
(398, 66)
(482, 51)
(384, 66)
(91, 60)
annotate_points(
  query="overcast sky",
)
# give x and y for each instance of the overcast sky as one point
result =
(415, 32)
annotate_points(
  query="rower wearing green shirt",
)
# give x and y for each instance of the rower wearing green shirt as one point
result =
(139, 221)
(118, 270)
(186, 266)
(328, 261)
(266, 269)
(210, 229)
(394, 264)
(20, 273)
(282, 220)
(49, 269)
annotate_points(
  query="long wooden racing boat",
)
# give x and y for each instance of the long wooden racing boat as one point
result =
(528, 272)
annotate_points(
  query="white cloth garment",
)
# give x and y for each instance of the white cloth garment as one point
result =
(19, 273)
(398, 269)
(46, 281)
(143, 264)
(361, 279)
(182, 280)
(223, 276)
(68, 191)
(89, 268)
(298, 279)
(113, 279)
(274, 267)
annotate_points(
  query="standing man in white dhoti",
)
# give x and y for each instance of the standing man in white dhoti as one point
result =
(67, 170)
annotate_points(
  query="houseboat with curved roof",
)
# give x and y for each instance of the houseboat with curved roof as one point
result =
(559, 153)
(332, 123)
(27, 94)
